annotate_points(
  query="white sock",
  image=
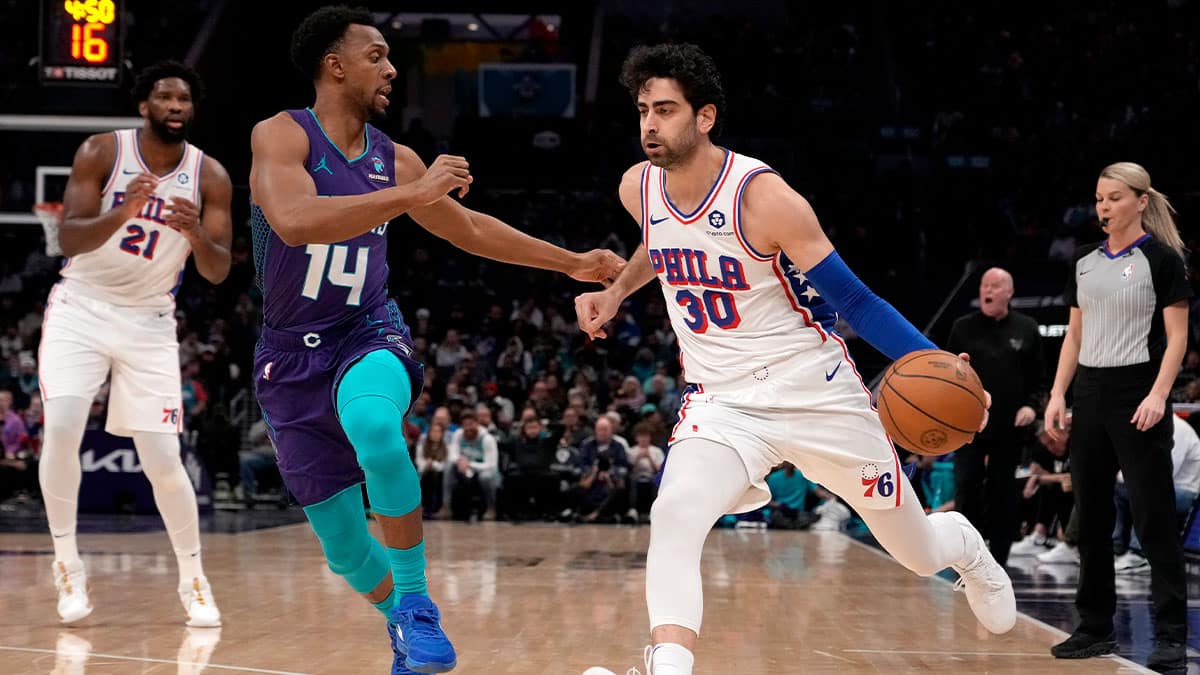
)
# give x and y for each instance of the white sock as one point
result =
(669, 658)
(189, 566)
(174, 496)
(59, 471)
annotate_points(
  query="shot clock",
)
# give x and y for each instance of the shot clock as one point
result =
(81, 42)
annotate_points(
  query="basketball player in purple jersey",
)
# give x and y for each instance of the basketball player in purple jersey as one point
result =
(333, 370)
(753, 289)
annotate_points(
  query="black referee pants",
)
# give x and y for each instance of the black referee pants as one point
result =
(984, 490)
(1103, 441)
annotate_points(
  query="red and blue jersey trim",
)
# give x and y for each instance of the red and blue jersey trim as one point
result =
(1113, 256)
(737, 213)
(646, 205)
(706, 204)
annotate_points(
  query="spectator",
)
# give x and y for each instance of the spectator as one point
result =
(530, 484)
(630, 395)
(1185, 462)
(472, 469)
(259, 458)
(195, 394)
(450, 352)
(1047, 497)
(1006, 352)
(17, 469)
(645, 461)
(790, 492)
(15, 436)
(574, 431)
(604, 468)
(432, 452)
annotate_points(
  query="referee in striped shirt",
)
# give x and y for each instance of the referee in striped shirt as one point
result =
(1124, 346)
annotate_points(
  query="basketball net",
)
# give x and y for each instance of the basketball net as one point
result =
(50, 213)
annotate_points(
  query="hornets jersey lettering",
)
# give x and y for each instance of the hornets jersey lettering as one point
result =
(733, 309)
(314, 286)
(142, 263)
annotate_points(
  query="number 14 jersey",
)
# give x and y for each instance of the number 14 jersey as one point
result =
(312, 287)
(733, 309)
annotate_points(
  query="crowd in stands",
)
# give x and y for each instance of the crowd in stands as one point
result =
(522, 417)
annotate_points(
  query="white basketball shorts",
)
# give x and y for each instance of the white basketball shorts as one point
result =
(813, 411)
(83, 339)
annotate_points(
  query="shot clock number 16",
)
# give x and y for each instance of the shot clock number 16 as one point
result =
(81, 41)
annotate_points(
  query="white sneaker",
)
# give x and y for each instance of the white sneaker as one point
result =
(198, 602)
(1032, 544)
(1130, 563)
(989, 590)
(1063, 553)
(71, 581)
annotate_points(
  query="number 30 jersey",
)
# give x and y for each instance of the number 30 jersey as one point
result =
(733, 309)
(312, 287)
(142, 263)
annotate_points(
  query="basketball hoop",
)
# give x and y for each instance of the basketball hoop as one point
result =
(50, 214)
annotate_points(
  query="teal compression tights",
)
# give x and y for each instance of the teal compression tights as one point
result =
(372, 398)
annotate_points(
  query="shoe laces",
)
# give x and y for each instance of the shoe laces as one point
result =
(978, 570)
(418, 623)
(197, 591)
(67, 580)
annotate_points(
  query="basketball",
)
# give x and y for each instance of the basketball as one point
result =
(931, 402)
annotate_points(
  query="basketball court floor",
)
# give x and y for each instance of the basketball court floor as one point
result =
(532, 599)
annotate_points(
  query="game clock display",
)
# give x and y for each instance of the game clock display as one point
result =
(81, 42)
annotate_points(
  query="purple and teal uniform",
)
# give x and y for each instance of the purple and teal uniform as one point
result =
(325, 306)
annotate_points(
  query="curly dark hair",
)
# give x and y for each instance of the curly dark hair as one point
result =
(144, 83)
(687, 64)
(321, 33)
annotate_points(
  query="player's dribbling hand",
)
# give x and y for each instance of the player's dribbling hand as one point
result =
(987, 405)
(600, 265)
(446, 174)
(138, 192)
(593, 310)
(183, 215)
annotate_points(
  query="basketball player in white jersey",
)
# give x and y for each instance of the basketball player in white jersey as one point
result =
(138, 202)
(753, 288)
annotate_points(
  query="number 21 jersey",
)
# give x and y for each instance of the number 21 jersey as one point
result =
(141, 264)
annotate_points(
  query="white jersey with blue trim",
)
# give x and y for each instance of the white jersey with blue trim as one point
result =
(733, 309)
(142, 263)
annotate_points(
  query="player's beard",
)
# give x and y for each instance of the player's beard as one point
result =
(168, 135)
(678, 151)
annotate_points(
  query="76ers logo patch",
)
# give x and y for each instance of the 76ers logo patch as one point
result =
(875, 482)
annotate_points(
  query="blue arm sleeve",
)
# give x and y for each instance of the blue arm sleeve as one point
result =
(868, 314)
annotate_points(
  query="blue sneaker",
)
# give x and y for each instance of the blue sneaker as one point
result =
(429, 650)
(399, 651)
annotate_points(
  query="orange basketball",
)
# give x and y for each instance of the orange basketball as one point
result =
(931, 402)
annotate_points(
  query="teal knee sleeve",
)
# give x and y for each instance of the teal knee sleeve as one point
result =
(350, 550)
(372, 398)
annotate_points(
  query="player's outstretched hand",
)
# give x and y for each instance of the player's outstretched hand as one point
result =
(446, 174)
(987, 405)
(139, 191)
(593, 310)
(599, 265)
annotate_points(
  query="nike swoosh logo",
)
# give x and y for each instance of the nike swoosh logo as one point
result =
(1084, 272)
(127, 172)
(655, 221)
(830, 374)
